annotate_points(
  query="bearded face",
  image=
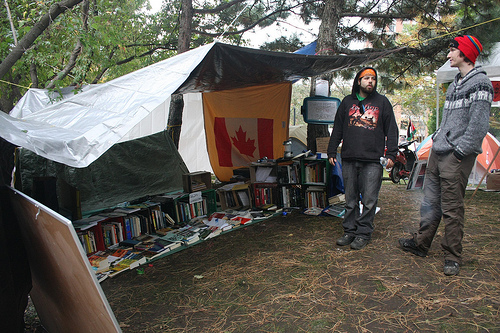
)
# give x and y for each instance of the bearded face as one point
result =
(367, 84)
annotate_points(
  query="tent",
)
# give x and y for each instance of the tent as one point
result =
(78, 129)
(424, 148)
(483, 161)
(298, 135)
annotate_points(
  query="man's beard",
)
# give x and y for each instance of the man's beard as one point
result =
(367, 90)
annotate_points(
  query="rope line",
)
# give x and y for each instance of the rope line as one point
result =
(453, 32)
(17, 85)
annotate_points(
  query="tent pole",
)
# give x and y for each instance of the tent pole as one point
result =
(437, 106)
(487, 169)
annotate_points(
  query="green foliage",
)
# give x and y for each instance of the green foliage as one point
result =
(495, 122)
(117, 37)
(284, 44)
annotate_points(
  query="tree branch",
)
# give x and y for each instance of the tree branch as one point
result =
(149, 52)
(17, 52)
(76, 51)
(379, 15)
(219, 8)
(253, 25)
(69, 66)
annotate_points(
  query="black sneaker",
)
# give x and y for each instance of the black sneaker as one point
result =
(346, 239)
(359, 243)
(451, 267)
(409, 245)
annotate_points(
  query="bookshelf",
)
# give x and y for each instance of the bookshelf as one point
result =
(288, 172)
(264, 180)
(265, 194)
(235, 196)
(289, 185)
(315, 179)
(183, 207)
(196, 181)
(291, 196)
(105, 230)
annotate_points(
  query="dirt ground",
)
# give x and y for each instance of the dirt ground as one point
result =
(287, 275)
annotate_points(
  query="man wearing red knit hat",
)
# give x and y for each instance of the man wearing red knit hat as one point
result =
(455, 146)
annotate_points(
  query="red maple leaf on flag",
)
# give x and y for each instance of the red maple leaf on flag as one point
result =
(244, 145)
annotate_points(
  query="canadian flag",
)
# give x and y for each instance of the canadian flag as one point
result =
(244, 125)
(242, 140)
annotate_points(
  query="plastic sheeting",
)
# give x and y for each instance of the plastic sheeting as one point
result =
(79, 129)
(192, 142)
(129, 170)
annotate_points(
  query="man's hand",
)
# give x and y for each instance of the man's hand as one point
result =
(390, 164)
(332, 160)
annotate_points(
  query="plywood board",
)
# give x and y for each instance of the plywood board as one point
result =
(66, 294)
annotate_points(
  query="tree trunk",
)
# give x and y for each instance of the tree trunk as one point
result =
(326, 46)
(175, 118)
(177, 100)
(54, 11)
(185, 26)
(33, 75)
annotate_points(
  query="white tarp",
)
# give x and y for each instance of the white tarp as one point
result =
(192, 142)
(78, 129)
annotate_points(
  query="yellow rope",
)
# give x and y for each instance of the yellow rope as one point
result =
(17, 85)
(454, 32)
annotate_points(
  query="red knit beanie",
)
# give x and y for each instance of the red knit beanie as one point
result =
(469, 45)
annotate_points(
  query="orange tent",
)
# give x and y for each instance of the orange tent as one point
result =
(424, 148)
(490, 147)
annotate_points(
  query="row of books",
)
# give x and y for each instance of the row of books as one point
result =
(131, 253)
(291, 196)
(263, 195)
(104, 230)
(315, 196)
(186, 211)
(315, 173)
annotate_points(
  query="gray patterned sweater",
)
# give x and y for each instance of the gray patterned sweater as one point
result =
(466, 115)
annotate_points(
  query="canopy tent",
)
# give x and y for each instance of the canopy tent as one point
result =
(78, 129)
(483, 161)
(424, 148)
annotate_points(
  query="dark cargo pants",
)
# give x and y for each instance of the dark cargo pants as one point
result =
(444, 190)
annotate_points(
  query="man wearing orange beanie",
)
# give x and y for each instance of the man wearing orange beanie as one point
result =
(365, 124)
(455, 146)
